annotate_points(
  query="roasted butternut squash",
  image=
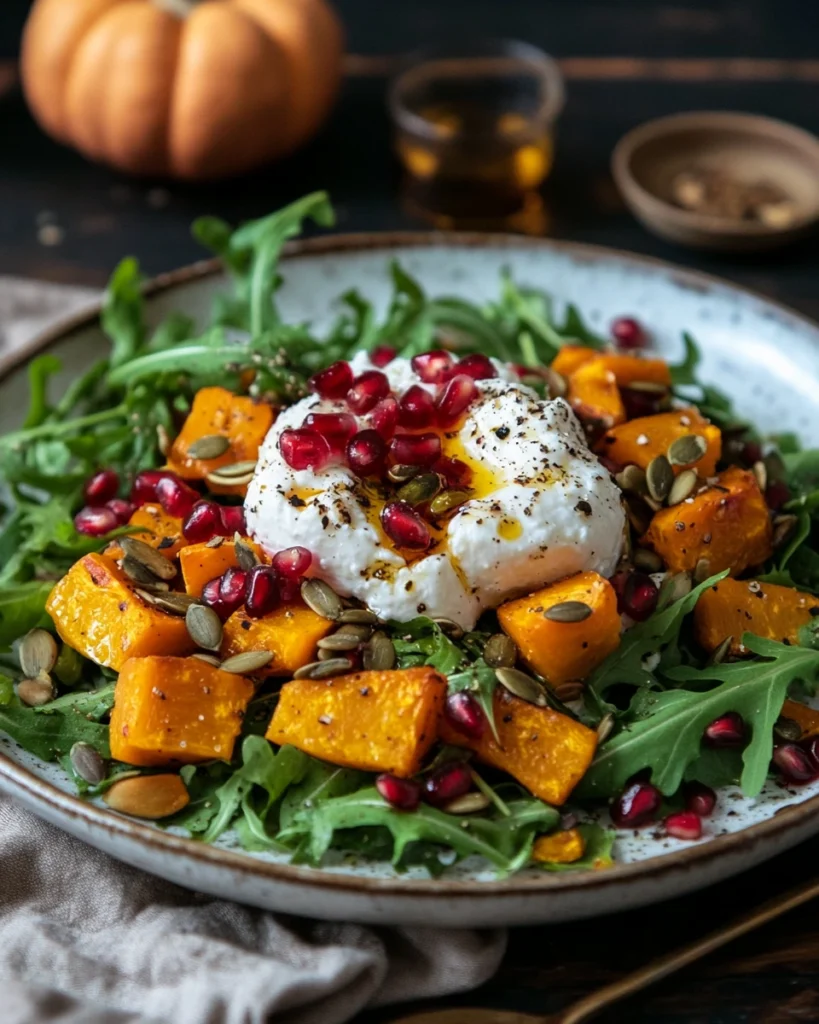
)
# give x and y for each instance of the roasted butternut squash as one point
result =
(559, 848)
(643, 439)
(201, 563)
(571, 357)
(373, 721)
(594, 395)
(291, 633)
(243, 421)
(733, 607)
(806, 718)
(564, 651)
(97, 612)
(176, 711)
(545, 751)
(161, 531)
(728, 524)
(627, 369)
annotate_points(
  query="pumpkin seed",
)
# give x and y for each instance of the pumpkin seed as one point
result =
(568, 611)
(760, 471)
(215, 542)
(719, 654)
(448, 501)
(362, 616)
(687, 449)
(659, 478)
(536, 382)
(648, 387)
(783, 527)
(204, 627)
(245, 555)
(401, 473)
(321, 598)
(148, 796)
(68, 666)
(209, 659)
(324, 669)
(449, 626)
(38, 653)
(340, 641)
(500, 651)
(173, 604)
(87, 763)
(211, 446)
(604, 728)
(647, 560)
(639, 515)
(379, 654)
(567, 692)
(632, 479)
(787, 729)
(469, 803)
(219, 478)
(235, 469)
(420, 489)
(522, 685)
(36, 692)
(163, 440)
(247, 662)
(137, 571)
(683, 487)
(556, 384)
(158, 565)
(673, 589)
(326, 655)
(702, 570)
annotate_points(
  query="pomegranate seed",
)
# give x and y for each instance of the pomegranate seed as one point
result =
(233, 588)
(366, 453)
(464, 714)
(416, 408)
(478, 367)
(637, 805)
(233, 520)
(777, 494)
(726, 731)
(95, 521)
(262, 591)
(793, 763)
(403, 525)
(433, 367)
(637, 594)
(699, 798)
(292, 562)
(121, 508)
(751, 453)
(335, 427)
(175, 496)
(368, 389)
(415, 449)
(812, 748)
(101, 487)
(455, 398)
(304, 449)
(334, 382)
(382, 354)
(403, 794)
(289, 590)
(202, 523)
(384, 417)
(684, 825)
(210, 596)
(639, 403)
(455, 472)
(628, 333)
(144, 486)
(448, 782)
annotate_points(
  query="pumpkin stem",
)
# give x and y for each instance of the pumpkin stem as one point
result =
(180, 8)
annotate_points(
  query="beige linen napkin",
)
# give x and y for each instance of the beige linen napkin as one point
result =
(85, 939)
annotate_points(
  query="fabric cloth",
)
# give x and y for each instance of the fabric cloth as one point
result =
(85, 939)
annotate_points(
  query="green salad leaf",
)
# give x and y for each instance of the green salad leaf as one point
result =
(49, 732)
(597, 856)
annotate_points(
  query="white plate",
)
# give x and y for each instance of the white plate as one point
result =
(764, 355)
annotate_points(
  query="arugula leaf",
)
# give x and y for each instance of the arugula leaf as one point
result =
(422, 642)
(49, 732)
(320, 782)
(597, 856)
(123, 312)
(685, 373)
(40, 370)
(574, 327)
(22, 608)
(668, 739)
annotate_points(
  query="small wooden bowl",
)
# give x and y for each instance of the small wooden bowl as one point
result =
(751, 149)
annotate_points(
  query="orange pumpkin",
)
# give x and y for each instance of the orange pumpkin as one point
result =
(191, 89)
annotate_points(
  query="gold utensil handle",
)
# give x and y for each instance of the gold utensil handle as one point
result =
(679, 958)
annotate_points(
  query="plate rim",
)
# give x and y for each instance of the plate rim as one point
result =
(15, 778)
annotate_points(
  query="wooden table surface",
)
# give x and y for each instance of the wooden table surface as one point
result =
(625, 61)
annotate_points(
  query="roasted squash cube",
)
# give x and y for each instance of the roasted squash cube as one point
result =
(643, 439)
(728, 525)
(373, 721)
(560, 847)
(243, 421)
(627, 369)
(805, 717)
(291, 633)
(161, 531)
(176, 710)
(97, 612)
(200, 563)
(594, 395)
(733, 607)
(564, 651)
(545, 751)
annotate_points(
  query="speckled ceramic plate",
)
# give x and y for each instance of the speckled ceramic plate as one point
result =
(766, 356)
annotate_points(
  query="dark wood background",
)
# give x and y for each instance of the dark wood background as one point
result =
(625, 61)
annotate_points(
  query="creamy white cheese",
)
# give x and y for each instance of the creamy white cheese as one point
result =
(544, 508)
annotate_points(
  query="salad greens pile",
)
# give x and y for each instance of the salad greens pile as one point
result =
(656, 689)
